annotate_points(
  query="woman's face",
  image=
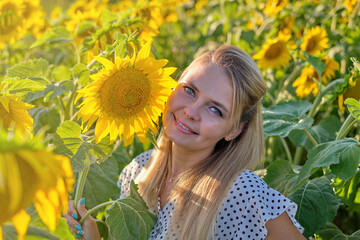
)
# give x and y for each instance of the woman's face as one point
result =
(197, 114)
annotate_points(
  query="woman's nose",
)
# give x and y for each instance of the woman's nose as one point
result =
(191, 112)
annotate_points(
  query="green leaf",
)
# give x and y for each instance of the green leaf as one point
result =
(100, 185)
(331, 154)
(332, 232)
(22, 87)
(108, 17)
(280, 176)
(69, 142)
(60, 73)
(48, 118)
(281, 119)
(81, 72)
(52, 91)
(54, 35)
(325, 131)
(84, 26)
(317, 204)
(9, 233)
(353, 107)
(121, 50)
(349, 191)
(129, 218)
(315, 62)
(33, 69)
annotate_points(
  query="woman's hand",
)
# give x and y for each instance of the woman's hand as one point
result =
(88, 230)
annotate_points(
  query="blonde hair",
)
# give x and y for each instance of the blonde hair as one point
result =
(200, 191)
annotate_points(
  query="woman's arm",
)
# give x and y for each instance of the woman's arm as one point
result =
(282, 228)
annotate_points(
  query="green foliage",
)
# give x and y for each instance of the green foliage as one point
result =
(354, 107)
(54, 35)
(349, 191)
(332, 232)
(133, 211)
(317, 204)
(33, 69)
(281, 119)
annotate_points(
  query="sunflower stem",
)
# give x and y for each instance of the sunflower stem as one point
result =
(291, 77)
(62, 109)
(345, 127)
(70, 103)
(80, 185)
(287, 150)
(97, 207)
(311, 138)
(298, 154)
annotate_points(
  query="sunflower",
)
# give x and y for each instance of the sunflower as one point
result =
(127, 96)
(31, 174)
(13, 113)
(350, 5)
(286, 24)
(273, 7)
(305, 84)
(315, 41)
(34, 17)
(352, 91)
(275, 53)
(11, 22)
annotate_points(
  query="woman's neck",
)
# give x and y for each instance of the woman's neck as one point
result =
(183, 158)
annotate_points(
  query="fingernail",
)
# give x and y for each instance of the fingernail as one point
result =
(78, 236)
(82, 201)
(80, 232)
(74, 216)
(78, 227)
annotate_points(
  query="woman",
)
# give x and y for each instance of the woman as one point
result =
(198, 182)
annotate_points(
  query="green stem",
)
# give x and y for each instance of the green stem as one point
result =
(345, 128)
(70, 103)
(310, 137)
(62, 109)
(291, 77)
(287, 150)
(82, 220)
(313, 112)
(80, 185)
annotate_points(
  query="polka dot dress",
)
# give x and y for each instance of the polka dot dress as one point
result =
(248, 206)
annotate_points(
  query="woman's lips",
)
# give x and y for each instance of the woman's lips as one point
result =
(182, 127)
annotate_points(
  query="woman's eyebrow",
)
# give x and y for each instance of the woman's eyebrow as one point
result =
(218, 104)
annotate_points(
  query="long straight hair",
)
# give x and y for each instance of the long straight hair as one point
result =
(201, 190)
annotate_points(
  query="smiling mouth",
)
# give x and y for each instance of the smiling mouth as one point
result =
(183, 128)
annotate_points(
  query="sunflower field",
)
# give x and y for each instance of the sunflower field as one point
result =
(83, 85)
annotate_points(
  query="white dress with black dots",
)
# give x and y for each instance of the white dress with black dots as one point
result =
(248, 206)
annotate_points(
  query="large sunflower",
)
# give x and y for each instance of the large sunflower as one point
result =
(315, 41)
(275, 53)
(13, 113)
(11, 22)
(127, 96)
(305, 84)
(31, 174)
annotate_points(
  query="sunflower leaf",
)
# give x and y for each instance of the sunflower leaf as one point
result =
(129, 218)
(54, 35)
(69, 142)
(332, 232)
(353, 107)
(281, 119)
(21, 87)
(349, 191)
(33, 69)
(317, 204)
(315, 62)
(324, 131)
(81, 72)
(84, 26)
(343, 157)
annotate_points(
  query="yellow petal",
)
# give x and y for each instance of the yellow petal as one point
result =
(5, 102)
(21, 221)
(143, 53)
(107, 63)
(341, 103)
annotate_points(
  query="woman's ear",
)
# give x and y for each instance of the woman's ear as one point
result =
(236, 132)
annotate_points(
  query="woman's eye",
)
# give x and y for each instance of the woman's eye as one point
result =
(216, 111)
(189, 91)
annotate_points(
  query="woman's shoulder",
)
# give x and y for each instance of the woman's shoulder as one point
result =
(133, 169)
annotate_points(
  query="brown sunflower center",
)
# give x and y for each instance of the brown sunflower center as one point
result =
(312, 43)
(125, 93)
(8, 22)
(274, 50)
(5, 117)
